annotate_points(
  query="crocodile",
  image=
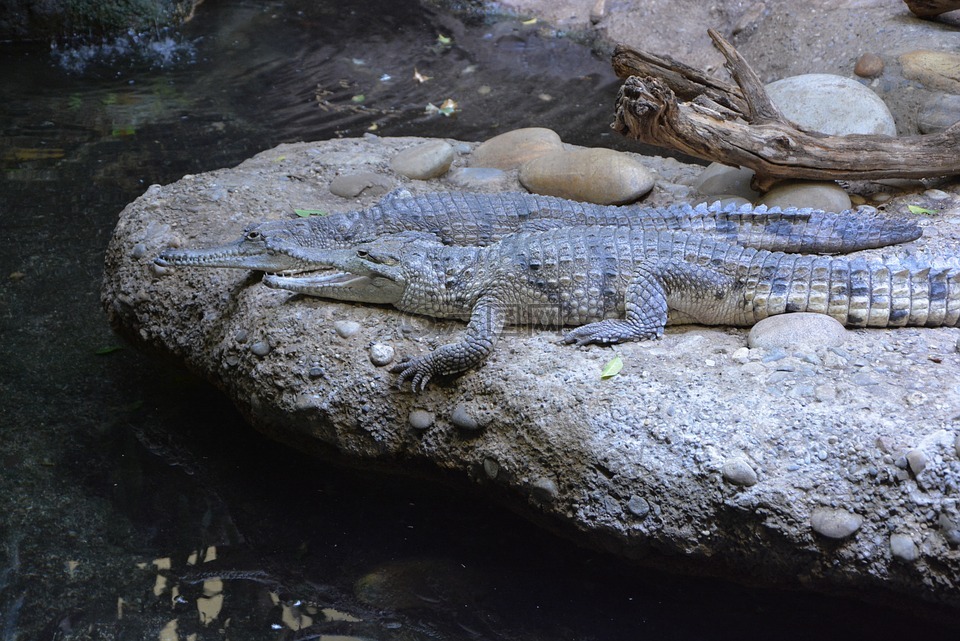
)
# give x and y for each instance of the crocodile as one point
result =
(480, 219)
(615, 284)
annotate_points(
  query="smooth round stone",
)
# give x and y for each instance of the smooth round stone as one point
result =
(479, 178)
(260, 348)
(798, 330)
(600, 176)
(870, 65)
(719, 179)
(462, 418)
(381, 354)
(827, 196)
(363, 184)
(423, 162)
(421, 419)
(346, 328)
(903, 548)
(938, 113)
(491, 467)
(835, 523)
(950, 528)
(513, 148)
(933, 69)
(917, 461)
(544, 489)
(638, 506)
(739, 472)
(832, 105)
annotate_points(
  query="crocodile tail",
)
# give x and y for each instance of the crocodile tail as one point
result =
(858, 293)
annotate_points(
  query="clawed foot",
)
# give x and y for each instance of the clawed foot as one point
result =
(610, 332)
(418, 371)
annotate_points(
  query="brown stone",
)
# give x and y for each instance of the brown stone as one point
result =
(601, 176)
(512, 149)
(934, 69)
(870, 65)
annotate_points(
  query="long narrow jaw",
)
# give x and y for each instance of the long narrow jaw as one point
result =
(242, 254)
(339, 286)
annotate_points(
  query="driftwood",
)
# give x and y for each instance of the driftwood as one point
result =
(931, 8)
(776, 149)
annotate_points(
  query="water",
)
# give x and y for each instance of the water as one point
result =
(120, 474)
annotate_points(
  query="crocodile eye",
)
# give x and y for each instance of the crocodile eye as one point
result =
(363, 253)
(253, 234)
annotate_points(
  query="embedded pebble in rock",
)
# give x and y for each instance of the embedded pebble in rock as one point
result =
(938, 112)
(720, 180)
(544, 489)
(600, 176)
(462, 418)
(260, 348)
(425, 161)
(421, 419)
(870, 65)
(381, 354)
(831, 105)
(513, 148)
(739, 472)
(950, 528)
(917, 461)
(638, 506)
(933, 69)
(903, 548)
(480, 178)
(491, 467)
(365, 184)
(835, 523)
(827, 196)
(346, 328)
(798, 330)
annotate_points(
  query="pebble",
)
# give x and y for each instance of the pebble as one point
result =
(832, 105)
(544, 489)
(870, 65)
(638, 506)
(381, 354)
(834, 523)
(346, 328)
(720, 180)
(903, 548)
(938, 112)
(600, 176)
(461, 418)
(917, 460)
(828, 196)
(479, 178)
(933, 69)
(421, 419)
(950, 527)
(260, 348)
(800, 330)
(739, 472)
(491, 467)
(365, 184)
(513, 148)
(425, 161)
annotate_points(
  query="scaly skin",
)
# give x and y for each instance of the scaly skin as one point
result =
(614, 285)
(480, 219)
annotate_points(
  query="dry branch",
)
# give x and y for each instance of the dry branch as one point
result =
(776, 149)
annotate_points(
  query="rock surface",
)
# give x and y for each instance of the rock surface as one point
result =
(700, 455)
(828, 196)
(832, 105)
(600, 176)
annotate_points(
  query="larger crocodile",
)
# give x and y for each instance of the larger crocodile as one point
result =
(614, 285)
(480, 219)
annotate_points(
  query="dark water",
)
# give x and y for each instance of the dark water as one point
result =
(117, 469)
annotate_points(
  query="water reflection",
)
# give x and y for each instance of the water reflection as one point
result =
(136, 503)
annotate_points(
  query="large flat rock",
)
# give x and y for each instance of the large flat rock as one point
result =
(832, 469)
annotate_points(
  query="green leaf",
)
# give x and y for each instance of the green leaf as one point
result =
(358, 98)
(110, 349)
(916, 209)
(446, 41)
(304, 213)
(612, 368)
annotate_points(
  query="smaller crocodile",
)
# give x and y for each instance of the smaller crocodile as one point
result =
(614, 285)
(481, 219)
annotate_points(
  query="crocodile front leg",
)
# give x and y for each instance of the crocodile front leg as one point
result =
(654, 288)
(487, 320)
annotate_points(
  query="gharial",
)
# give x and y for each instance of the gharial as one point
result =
(614, 284)
(480, 219)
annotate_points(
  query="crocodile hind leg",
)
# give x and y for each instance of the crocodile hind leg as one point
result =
(655, 288)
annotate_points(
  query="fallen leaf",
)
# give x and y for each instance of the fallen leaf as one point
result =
(444, 40)
(612, 368)
(305, 213)
(358, 98)
(419, 77)
(916, 209)
(529, 22)
(108, 350)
